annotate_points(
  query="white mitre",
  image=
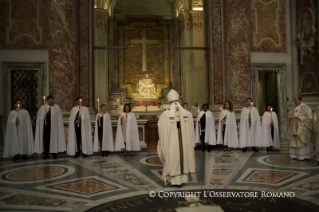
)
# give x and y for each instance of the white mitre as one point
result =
(173, 98)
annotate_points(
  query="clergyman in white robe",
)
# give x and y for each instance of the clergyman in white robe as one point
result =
(316, 132)
(19, 135)
(80, 136)
(49, 133)
(129, 139)
(103, 135)
(175, 145)
(230, 135)
(250, 128)
(270, 132)
(205, 129)
(300, 129)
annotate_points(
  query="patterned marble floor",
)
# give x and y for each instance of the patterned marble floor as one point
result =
(118, 183)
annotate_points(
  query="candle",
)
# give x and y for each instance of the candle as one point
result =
(18, 116)
(80, 111)
(221, 108)
(45, 110)
(98, 108)
(271, 114)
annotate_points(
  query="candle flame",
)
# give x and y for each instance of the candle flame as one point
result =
(98, 100)
(43, 97)
(221, 108)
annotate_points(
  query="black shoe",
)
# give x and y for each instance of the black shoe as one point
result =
(16, 157)
(255, 149)
(244, 149)
(105, 154)
(271, 149)
(102, 155)
(76, 156)
(24, 157)
(45, 157)
(178, 186)
(83, 155)
(267, 149)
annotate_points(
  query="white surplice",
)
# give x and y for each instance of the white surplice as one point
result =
(132, 136)
(57, 137)
(250, 136)
(301, 146)
(231, 134)
(86, 135)
(18, 140)
(210, 133)
(267, 140)
(174, 156)
(107, 136)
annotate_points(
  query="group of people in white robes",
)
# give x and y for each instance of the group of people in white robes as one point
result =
(50, 137)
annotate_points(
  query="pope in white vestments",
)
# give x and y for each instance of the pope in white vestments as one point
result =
(19, 135)
(270, 129)
(80, 136)
(175, 145)
(49, 133)
(250, 128)
(205, 128)
(300, 129)
(316, 131)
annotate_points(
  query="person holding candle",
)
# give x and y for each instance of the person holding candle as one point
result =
(250, 128)
(80, 136)
(227, 127)
(103, 136)
(49, 132)
(195, 110)
(270, 129)
(300, 129)
(127, 136)
(205, 128)
(19, 135)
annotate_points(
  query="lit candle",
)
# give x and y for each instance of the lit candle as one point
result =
(80, 111)
(271, 115)
(221, 108)
(45, 110)
(98, 109)
(18, 109)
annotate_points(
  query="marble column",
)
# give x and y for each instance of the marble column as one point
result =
(237, 51)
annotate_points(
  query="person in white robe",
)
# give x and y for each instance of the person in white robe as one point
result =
(79, 136)
(19, 135)
(103, 135)
(49, 133)
(127, 137)
(270, 129)
(316, 132)
(250, 127)
(195, 109)
(190, 115)
(299, 130)
(227, 127)
(205, 128)
(175, 146)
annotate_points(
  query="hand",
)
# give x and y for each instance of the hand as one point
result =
(79, 119)
(296, 117)
(45, 117)
(122, 118)
(17, 121)
(271, 124)
(99, 117)
(249, 119)
(291, 118)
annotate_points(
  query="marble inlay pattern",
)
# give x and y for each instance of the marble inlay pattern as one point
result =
(268, 176)
(237, 51)
(269, 26)
(151, 161)
(223, 164)
(22, 199)
(287, 162)
(217, 52)
(89, 186)
(3, 194)
(311, 185)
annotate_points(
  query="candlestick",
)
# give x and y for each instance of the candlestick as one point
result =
(98, 107)
(45, 110)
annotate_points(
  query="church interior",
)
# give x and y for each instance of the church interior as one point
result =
(118, 52)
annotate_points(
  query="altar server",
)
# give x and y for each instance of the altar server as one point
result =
(227, 127)
(175, 145)
(195, 109)
(19, 135)
(270, 129)
(127, 136)
(205, 128)
(250, 128)
(299, 130)
(80, 136)
(103, 136)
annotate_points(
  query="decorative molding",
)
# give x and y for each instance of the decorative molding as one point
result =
(308, 84)
(101, 19)
(186, 21)
(197, 21)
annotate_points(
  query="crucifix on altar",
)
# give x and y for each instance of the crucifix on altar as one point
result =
(144, 42)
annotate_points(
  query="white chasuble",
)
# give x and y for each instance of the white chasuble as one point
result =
(210, 133)
(18, 138)
(267, 140)
(176, 148)
(231, 134)
(86, 133)
(131, 134)
(57, 136)
(250, 133)
(107, 136)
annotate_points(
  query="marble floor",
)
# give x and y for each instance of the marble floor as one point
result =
(118, 183)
